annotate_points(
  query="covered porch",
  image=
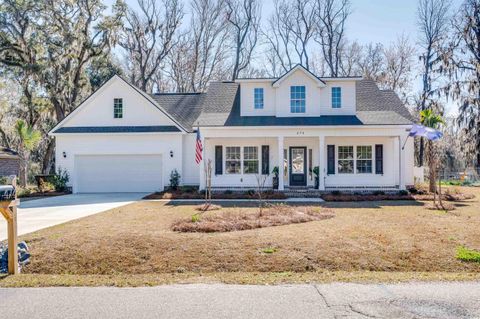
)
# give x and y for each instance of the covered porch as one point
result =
(347, 158)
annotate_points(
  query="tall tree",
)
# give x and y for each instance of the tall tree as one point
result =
(432, 19)
(331, 16)
(462, 65)
(148, 37)
(290, 31)
(243, 17)
(200, 54)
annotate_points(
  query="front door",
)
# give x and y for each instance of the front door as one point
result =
(298, 166)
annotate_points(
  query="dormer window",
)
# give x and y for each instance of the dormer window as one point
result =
(336, 97)
(258, 98)
(297, 99)
(117, 108)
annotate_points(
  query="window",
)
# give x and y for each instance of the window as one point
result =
(336, 97)
(258, 98)
(364, 159)
(117, 108)
(232, 160)
(345, 159)
(297, 99)
(250, 160)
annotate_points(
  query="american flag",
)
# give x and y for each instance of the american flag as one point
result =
(198, 148)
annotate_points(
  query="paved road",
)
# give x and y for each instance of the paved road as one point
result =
(415, 300)
(41, 213)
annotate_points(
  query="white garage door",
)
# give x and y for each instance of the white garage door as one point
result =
(118, 173)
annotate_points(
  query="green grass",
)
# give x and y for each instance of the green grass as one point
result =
(466, 254)
(269, 250)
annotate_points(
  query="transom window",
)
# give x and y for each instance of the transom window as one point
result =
(297, 99)
(118, 108)
(336, 97)
(258, 98)
(364, 159)
(250, 160)
(232, 160)
(345, 160)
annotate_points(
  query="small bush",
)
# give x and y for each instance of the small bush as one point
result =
(403, 192)
(336, 193)
(228, 192)
(174, 179)
(269, 250)
(3, 180)
(60, 180)
(250, 192)
(195, 218)
(469, 255)
(378, 193)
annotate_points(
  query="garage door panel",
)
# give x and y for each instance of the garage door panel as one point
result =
(118, 173)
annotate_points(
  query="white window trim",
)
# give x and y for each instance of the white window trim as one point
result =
(290, 94)
(331, 97)
(123, 109)
(263, 98)
(242, 158)
(355, 159)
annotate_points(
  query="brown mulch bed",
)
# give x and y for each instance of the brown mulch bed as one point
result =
(437, 206)
(453, 197)
(43, 194)
(215, 195)
(270, 216)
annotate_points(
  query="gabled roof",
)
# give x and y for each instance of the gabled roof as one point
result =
(300, 67)
(374, 107)
(184, 107)
(60, 124)
(6, 153)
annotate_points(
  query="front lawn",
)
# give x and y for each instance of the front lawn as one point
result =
(389, 238)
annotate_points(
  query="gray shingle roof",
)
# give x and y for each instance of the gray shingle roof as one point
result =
(184, 107)
(118, 129)
(374, 107)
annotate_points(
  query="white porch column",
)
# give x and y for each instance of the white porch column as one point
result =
(280, 164)
(321, 162)
(401, 160)
(201, 165)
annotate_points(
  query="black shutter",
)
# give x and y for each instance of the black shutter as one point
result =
(330, 159)
(265, 159)
(379, 159)
(218, 160)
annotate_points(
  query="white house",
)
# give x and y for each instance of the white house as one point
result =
(121, 139)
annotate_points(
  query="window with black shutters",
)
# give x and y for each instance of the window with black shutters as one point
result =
(265, 160)
(218, 160)
(379, 159)
(330, 159)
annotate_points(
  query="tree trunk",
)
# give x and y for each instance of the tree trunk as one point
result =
(48, 157)
(432, 167)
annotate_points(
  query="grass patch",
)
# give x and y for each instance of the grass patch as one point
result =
(469, 255)
(276, 215)
(269, 250)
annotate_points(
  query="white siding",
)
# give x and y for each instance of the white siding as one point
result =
(348, 98)
(246, 98)
(98, 110)
(119, 144)
(191, 170)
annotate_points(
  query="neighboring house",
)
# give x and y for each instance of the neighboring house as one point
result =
(9, 162)
(121, 139)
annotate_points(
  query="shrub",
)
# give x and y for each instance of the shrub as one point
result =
(3, 180)
(250, 192)
(174, 179)
(228, 192)
(336, 193)
(403, 192)
(378, 193)
(60, 180)
(195, 218)
(466, 254)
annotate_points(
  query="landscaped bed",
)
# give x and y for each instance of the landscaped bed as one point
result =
(191, 193)
(272, 215)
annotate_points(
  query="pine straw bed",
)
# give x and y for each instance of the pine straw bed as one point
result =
(274, 215)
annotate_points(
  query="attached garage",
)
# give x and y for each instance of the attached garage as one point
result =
(118, 173)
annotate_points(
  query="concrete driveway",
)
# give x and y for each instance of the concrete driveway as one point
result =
(42, 213)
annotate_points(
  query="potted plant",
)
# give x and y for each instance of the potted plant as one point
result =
(316, 172)
(275, 177)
